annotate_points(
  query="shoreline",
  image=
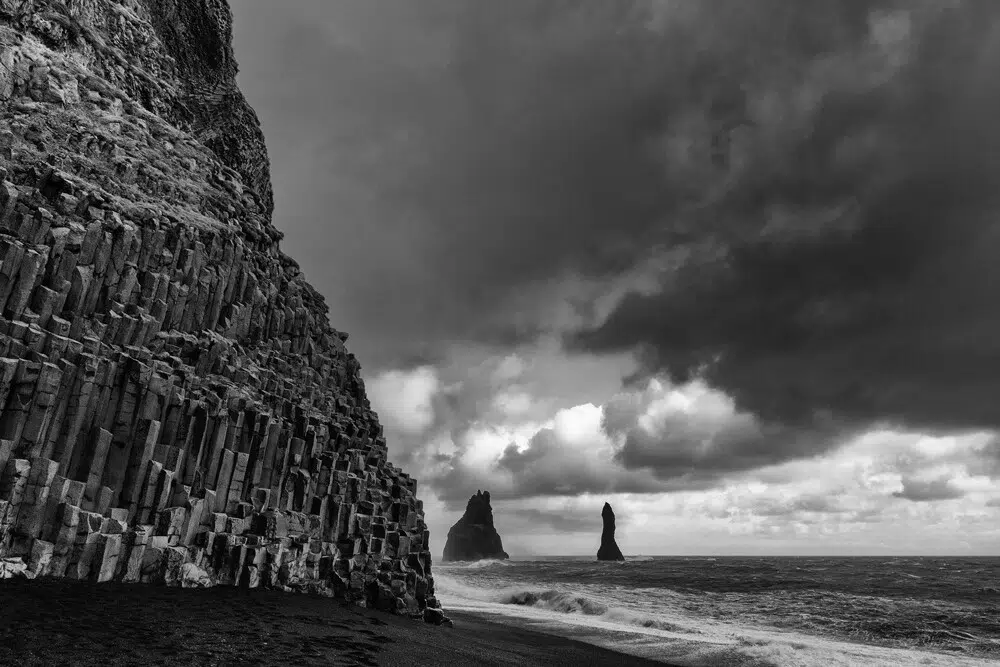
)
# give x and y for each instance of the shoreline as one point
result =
(57, 621)
(479, 641)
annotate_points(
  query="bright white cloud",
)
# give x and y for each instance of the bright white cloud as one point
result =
(579, 426)
(404, 400)
(700, 487)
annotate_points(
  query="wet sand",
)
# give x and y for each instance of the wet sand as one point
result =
(59, 622)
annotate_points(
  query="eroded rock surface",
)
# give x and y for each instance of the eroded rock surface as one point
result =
(474, 537)
(609, 548)
(176, 407)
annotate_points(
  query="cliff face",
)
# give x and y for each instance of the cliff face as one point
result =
(609, 548)
(175, 404)
(474, 537)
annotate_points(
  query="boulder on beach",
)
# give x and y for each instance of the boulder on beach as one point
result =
(474, 537)
(609, 548)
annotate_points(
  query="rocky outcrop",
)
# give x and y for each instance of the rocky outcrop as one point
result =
(474, 537)
(174, 404)
(609, 548)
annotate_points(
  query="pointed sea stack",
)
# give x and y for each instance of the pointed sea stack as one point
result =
(609, 548)
(473, 537)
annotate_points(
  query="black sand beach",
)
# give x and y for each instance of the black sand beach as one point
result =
(58, 622)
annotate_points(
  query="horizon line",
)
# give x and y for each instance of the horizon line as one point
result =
(646, 555)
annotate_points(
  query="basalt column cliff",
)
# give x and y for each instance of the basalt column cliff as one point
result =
(175, 405)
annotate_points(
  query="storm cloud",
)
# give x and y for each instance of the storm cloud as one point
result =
(785, 210)
(499, 160)
(696, 433)
(813, 186)
(922, 491)
(571, 456)
(656, 439)
(848, 268)
(471, 150)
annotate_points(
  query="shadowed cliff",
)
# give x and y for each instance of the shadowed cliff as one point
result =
(175, 407)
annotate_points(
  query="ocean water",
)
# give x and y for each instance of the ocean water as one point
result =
(747, 611)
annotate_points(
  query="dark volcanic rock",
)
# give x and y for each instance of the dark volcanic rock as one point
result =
(609, 548)
(175, 406)
(474, 537)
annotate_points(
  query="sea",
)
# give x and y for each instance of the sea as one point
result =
(746, 611)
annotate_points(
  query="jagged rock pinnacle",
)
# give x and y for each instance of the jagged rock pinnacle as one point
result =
(474, 537)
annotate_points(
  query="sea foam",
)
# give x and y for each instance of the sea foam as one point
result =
(630, 614)
(475, 564)
(569, 603)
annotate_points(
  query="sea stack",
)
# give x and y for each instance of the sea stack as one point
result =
(473, 537)
(609, 548)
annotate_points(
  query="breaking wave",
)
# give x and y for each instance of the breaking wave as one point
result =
(475, 564)
(566, 603)
(570, 603)
(743, 612)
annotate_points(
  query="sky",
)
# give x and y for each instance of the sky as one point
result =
(729, 266)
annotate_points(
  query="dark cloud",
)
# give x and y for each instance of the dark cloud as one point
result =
(560, 520)
(984, 460)
(848, 265)
(658, 439)
(697, 434)
(816, 181)
(438, 417)
(807, 504)
(551, 466)
(440, 165)
(548, 466)
(924, 491)
(974, 454)
(433, 162)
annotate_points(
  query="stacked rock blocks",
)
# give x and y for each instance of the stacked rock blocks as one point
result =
(175, 405)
